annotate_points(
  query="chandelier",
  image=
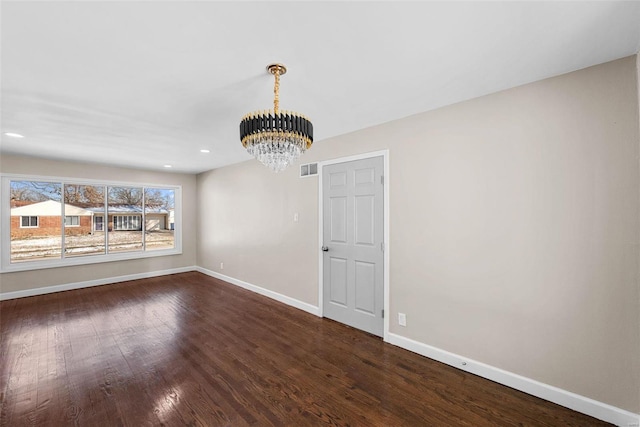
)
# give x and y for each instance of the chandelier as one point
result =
(276, 138)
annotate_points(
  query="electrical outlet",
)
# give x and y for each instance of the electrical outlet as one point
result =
(222, 266)
(402, 319)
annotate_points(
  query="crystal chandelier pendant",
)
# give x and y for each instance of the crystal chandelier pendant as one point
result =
(276, 138)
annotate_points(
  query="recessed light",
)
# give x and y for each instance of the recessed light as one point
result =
(14, 135)
(167, 166)
(204, 150)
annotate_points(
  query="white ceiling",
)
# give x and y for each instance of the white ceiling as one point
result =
(143, 84)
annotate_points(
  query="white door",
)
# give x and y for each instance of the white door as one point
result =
(353, 245)
(98, 223)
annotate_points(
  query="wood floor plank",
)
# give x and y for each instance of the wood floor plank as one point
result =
(190, 350)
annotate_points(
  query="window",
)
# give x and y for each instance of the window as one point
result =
(126, 222)
(72, 221)
(28, 221)
(83, 202)
(125, 219)
(34, 221)
(49, 222)
(159, 208)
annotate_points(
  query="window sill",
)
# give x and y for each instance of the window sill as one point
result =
(84, 260)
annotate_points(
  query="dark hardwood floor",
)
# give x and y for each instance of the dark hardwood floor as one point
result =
(191, 350)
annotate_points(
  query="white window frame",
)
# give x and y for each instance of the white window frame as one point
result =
(5, 225)
(30, 226)
(71, 225)
(135, 219)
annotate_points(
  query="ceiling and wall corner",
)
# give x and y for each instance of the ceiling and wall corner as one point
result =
(144, 84)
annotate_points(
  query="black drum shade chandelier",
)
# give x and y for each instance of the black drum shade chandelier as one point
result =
(276, 138)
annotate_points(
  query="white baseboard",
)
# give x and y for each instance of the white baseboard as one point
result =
(553, 394)
(90, 283)
(262, 291)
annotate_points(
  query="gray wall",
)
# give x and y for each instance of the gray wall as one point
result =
(514, 222)
(25, 280)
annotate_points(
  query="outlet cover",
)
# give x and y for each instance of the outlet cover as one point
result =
(402, 319)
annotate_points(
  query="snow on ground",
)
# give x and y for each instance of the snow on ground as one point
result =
(120, 241)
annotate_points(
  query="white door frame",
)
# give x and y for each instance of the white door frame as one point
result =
(321, 165)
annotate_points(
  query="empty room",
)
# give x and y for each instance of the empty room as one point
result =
(312, 213)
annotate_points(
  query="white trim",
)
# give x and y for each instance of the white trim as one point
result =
(320, 242)
(129, 217)
(87, 181)
(93, 222)
(88, 259)
(553, 394)
(7, 266)
(262, 291)
(72, 225)
(30, 226)
(90, 283)
(385, 159)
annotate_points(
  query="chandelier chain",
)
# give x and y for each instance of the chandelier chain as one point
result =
(276, 92)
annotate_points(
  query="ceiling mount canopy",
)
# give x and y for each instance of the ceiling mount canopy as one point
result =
(276, 138)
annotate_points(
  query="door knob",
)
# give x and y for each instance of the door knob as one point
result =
(325, 248)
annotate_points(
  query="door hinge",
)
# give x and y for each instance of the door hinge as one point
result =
(382, 246)
(383, 314)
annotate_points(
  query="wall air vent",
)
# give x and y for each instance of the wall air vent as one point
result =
(310, 169)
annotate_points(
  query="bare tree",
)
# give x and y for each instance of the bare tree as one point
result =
(21, 194)
(33, 191)
(155, 198)
(94, 195)
(84, 195)
(73, 194)
(125, 196)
